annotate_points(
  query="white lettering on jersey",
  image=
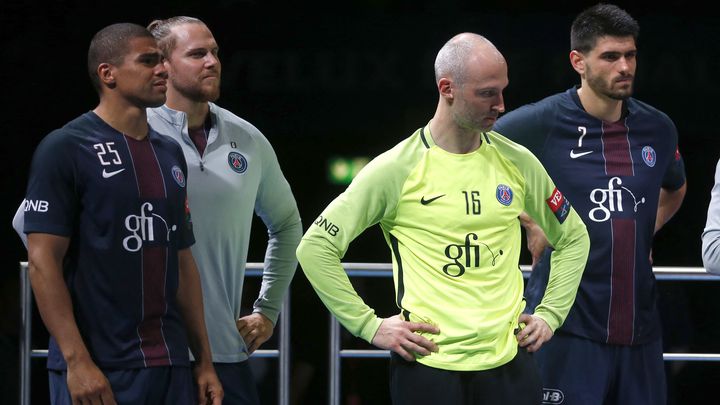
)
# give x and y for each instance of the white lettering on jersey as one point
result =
(142, 228)
(36, 205)
(552, 396)
(575, 155)
(614, 199)
(107, 148)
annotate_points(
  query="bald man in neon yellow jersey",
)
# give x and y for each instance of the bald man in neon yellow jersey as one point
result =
(447, 199)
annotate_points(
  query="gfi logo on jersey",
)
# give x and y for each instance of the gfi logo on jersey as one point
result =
(36, 205)
(142, 228)
(469, 251)
(610, 200)
(559, 205)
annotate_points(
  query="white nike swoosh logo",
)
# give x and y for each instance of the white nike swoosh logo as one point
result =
(574, 155)
(107, 175)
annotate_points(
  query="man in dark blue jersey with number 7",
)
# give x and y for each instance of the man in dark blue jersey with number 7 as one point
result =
(109, 238)
(616, 159)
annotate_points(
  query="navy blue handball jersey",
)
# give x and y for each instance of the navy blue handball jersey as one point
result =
(612, 174)
(122, 202)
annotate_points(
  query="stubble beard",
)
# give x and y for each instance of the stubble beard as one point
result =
(598, 85)
(198, 93)
(471, 122)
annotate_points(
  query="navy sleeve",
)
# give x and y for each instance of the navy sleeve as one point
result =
(186, 237)
(51, 200)
(675, 174)
(524, 126)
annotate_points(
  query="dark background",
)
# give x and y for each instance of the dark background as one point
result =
(353, 78)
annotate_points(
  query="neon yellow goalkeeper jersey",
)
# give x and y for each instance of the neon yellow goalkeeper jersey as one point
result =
(451, 222)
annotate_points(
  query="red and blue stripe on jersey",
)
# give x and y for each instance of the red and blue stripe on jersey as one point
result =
(151, 186)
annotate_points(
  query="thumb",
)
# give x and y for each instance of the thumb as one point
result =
(524, 318)
(202, 386)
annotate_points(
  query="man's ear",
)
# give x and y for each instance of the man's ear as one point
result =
(446, 89)
(106, 73)
(577, 60)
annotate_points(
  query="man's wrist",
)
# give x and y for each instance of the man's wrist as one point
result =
(75, 357)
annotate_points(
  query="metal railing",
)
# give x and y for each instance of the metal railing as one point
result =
(282, 353)
(385, 270)
(382, 270)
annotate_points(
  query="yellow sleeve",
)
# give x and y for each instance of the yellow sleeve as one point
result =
(371, 196)
(566, 233)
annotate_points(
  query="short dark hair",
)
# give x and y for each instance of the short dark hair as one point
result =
(162, 31)
(598, 21)
(110, 45)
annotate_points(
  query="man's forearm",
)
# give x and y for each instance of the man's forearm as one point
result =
(190, 303)
(279, 268)
(45, 255)
(668, 204)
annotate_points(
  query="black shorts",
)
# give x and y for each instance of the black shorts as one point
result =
(516, 383)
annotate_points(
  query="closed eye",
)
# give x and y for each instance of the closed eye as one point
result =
(486, 93)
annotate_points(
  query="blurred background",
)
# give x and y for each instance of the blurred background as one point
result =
(332, 82)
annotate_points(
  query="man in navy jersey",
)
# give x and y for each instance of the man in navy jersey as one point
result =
(617, 160)
(109, 238)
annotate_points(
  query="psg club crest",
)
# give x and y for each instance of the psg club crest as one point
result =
(504, 194)
(178, 176)
(649, 156)
(237, 162)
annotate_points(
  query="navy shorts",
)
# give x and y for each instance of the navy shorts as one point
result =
(516, 383)
(238, 383)
(152, 385)
(578, 371)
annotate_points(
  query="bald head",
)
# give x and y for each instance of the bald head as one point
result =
(462, 50)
